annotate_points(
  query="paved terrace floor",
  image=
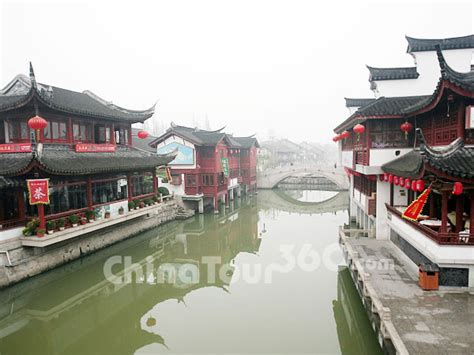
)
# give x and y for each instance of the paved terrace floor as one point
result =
(428, 322)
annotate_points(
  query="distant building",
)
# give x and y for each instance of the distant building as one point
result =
(211, 166)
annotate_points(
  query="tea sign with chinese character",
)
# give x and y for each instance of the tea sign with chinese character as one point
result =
(38, 191)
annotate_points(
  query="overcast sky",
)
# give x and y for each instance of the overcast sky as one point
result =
(254, 66)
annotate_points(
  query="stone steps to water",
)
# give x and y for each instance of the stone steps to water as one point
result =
(184, 213)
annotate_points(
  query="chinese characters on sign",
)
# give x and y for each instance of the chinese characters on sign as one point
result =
(38, 191)
(15, 148)
(94, 148)
(225, 166)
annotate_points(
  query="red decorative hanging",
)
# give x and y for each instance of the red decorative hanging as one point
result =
(407, 183)
(381, 177)
(37, 123)
(406, 127)
(420, 185)
(359, 129)
(390, 178)
(395, 180)
(334, 139)
(401, 181)
(458, 188)
(385, 177)
(143, 134)
(345, 134)
(413, 185)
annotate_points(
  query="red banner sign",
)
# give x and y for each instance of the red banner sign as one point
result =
(94, 148)
(38, 191)
(413, 211)
(15, 148)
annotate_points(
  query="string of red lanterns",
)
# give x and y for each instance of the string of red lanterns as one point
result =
(407, 183)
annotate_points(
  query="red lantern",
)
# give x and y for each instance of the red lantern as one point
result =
(37, 123)
(385, 177)
(359, 129)
(381, 177)
(407, 183)
(413, 185)
(458, 188)
(142, 134)
(401, 182)
(390, 179)
(334, 139)
(345, 134)
(395, 180)
(406, 127)
(420, 185)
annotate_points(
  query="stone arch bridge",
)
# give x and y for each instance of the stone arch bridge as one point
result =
(279, 200)
(270, 178)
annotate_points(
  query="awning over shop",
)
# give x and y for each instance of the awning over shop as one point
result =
(409, 165)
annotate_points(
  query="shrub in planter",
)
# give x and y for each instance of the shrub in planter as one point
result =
(141, 204)
(74, 220)
(30, 227)
(40, 232)
(131, 205)
(121, 210)
(90, 215)
(50, 226)
(61, 223)
(149, 202)
(107, 214)
(83, 220)
(156, 199)
(163, 191)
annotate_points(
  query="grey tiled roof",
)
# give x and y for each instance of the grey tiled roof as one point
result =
(392, 73)
(61, 160)
(455, 160)
(358, 102)
(420, 44)
(20, 91)
(247, 142)
(143, 144)
(194, 135)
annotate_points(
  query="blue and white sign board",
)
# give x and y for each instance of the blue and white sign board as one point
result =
(185, 154)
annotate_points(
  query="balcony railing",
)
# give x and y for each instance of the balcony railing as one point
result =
(440, 238)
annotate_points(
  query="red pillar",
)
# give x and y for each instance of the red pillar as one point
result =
(444, 211)
(129, 186)
(471, 214)
(89, 193)
(459, 212)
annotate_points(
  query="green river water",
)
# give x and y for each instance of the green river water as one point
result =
(246, 281)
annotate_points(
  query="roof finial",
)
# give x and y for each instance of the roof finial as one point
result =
(441, 60)
(32, 76)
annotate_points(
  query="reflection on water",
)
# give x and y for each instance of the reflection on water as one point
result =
(75, 310)
(310, 195)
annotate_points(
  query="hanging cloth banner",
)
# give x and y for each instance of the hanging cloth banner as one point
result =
(413, 211)
(225, 166)
(168, 174)
(38, 191)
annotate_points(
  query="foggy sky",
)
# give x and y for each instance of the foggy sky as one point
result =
(256, 66)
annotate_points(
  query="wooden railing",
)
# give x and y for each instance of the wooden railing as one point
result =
(438, 237)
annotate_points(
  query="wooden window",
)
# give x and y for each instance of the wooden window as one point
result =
(55, 131)
(208, 180)
(142, 184)
(2, 132)
(67, 197)
(102, 134)
(121, 135)
(190, 180)
(81, 132)
(18, 131)
(109, 191)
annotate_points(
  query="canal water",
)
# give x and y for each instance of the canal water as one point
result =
(260, 277)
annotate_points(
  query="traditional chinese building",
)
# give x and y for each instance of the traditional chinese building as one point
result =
(394, 148)
(211, 166)
(84, 148)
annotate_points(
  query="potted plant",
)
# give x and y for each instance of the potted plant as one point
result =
(156, 199)
(74, 219)
(90, 215)
(121, 210)
(137, 203)
(107, 214)
(141, 204)
(149, 202)
(50, 226)
(131, 205)
(61, 223)
(30, 227)
(83, 220)
(40, 232)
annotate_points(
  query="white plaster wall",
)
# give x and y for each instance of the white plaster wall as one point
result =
(378, 157)
(347, 158)
(400, 195)
(383, 196)
(339, 154)
(178, 190)
(176, 139)
(233, 182)
(445, 255)
(10, 234)
(428, 68)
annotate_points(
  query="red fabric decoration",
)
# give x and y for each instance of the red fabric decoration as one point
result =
(37, 123)
(407, 183)
(413, 211)
(458, 188)
(143, 134)
(413, 185)
(401, 182)
(345, 134)
(359, 129)
(395, 180)
(390, 179)
(385, 177)
(420, 185)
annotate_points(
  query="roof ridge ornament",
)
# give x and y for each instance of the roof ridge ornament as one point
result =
(32, 76)
(441, 61)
